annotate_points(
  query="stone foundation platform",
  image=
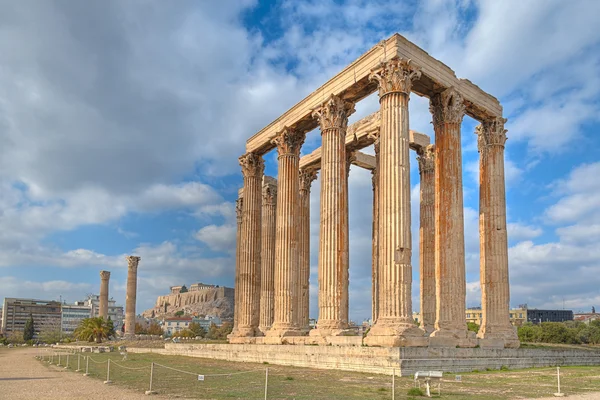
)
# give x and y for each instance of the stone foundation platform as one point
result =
(406, 361)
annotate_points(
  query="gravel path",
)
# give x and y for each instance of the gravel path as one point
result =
(24, 377)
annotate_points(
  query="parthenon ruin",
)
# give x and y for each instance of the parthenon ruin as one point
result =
(272, 264)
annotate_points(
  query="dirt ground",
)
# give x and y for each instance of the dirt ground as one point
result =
(24, 377)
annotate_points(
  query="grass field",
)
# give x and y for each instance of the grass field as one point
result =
(230, 380)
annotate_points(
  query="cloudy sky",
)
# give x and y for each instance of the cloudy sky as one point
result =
(121, 123)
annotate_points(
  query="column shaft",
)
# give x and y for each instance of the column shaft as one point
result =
(495, 292)
(103, 309)
(250, 245)
(132, 266)
(236, 299)
(307, 176)
(447, 109)
(333, 238)
(287, 249)
(267, 293)
(427, 238)
(375, 237)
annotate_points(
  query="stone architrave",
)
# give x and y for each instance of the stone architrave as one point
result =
(267, 266)
(426, 161)
(495, 292)
(307, 176)
(448, 109)
(375, 235)
(287, 237)
(394, 326)
(103, 309)
(248, 290)
(333, 249)
(132, 267)
(239, 203)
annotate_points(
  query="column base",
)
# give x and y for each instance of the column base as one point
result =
(505, 334)
(246, 331)
(264, 329)
(283, 330)
(452, 338)
(392, 333)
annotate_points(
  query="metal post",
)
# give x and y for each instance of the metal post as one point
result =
(559, 394)
(78, 362)
(58, 365)
(108, 373)
(67, 366)
(393, 383)
(87, 364)
(149, 391)
(266, 381)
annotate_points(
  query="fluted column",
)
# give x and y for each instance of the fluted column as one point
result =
(426, 161)
(333, 238)
(394, 326)
(287, 250)
(248, 291)
(375, 235)
(495, 291)
(104, 278)
(447, 109)
(267, 266)
(307, 176)
(132, 267)
(239, 203)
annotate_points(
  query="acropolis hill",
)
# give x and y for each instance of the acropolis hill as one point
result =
(200, 298)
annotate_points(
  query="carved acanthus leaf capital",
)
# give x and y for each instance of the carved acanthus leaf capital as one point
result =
(491, 133)
(395, 75)
(447, 107)
(426, 159)
(334, 113)
(252, 165)
(104, 275)
(239, 206)
(269, 193)
(289, 142)
(132, 262)
(307, 176)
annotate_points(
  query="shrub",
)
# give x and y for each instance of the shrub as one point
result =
(473, 327)
(415, 392)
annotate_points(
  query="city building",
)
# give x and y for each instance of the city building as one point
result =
(207, 321)
(518, 316)
(586, 318)
(175, 324)
(46, 315)
(536, 316)
(72, 315)
(115, 313)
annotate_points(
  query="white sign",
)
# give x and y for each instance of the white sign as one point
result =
(200, 377)
(458, 378)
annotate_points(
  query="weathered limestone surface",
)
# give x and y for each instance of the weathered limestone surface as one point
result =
(394, 326)
(132, 267)
(426, 161)
(375, 236)
(248, 290)
(495, 293)
(447, 109)
(307, 176)
(239, 204)
(287, 250)
(267, 292)
(103, 309)
(333, 249)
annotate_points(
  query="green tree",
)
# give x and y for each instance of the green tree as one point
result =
(184, 333)
(197, 329)
(529, 333)
(139, 329)
(213, 332)
(93, 329)
(28, 332)
(154, 329)
(557, 332)
(111, 328)
(473, 327)
(179, 313)
(225, 330)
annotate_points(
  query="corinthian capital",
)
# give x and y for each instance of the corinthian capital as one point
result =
(104, 275)
(289, 141)
(491, 133)
(252, 165)
(269, 193)
(395, 75)
(307, 176)
(447, 107)
(334, 113)
(132, 262)
(426, 159)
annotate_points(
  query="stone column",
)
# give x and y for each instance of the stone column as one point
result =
(238, 212)
(333, 238)
(248, 291)
(448, 109)
(267, 265)
(375, 235)
(495, 292)
(287, 250)
(104, 278)
(307, 176)
(394, 325)
(426, 161)
(132, 266)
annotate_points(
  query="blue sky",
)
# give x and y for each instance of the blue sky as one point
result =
(121, 124)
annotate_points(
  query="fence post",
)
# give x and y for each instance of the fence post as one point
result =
(78, 363)
(108, 374)
(51, 360)
(393, 383)
(266, 381)
(149, 391)
(67, 366)
(58, 365)
(559, 394)
(87, 364)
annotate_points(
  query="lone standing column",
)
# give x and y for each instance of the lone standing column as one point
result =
(132, 267)
(333, 238)
(307, 176)
(426, 161)
(267, 266)
(394, 326)
(448, 110)
(248, 291)
(495, 292)
(287, 238)
(104, 278)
